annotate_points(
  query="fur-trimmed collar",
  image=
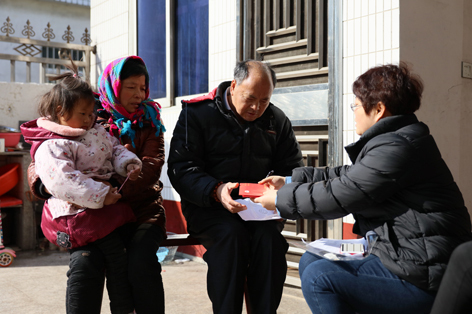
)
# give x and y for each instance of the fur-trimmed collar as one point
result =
(57, 128)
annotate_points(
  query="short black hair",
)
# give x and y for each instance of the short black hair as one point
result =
(134, 67)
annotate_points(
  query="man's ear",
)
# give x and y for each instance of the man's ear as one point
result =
(233, 85)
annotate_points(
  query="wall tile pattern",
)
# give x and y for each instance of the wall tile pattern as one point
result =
(371, 37)
(222, 41)
(109, 21)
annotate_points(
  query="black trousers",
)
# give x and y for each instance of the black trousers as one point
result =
(114, 260)
(237, 251)
(455, 292)
(87, 269)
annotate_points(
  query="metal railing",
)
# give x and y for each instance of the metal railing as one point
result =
(78, 2)
(30, 48)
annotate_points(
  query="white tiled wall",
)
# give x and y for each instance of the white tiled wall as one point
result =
(371, 37)
(170, 116)
(222, 41)
(109, 20)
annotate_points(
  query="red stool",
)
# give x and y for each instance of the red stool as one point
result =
(9, 178)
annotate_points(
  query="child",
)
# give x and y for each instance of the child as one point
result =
(75, 158)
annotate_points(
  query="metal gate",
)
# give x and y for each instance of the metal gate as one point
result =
(53, 54)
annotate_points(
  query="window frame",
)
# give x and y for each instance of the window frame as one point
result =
(170, 100)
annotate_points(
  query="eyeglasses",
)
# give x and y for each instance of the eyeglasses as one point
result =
(354, 106)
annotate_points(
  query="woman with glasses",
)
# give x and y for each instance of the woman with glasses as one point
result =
(397, 186)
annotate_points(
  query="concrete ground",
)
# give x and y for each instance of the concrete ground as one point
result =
(35, 283)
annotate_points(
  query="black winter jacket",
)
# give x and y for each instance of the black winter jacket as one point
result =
(209, 146)
(398, 186)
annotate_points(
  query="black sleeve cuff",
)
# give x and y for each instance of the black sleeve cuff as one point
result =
(41, 189)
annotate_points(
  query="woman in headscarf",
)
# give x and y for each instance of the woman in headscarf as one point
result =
(128, 114)
(134, 119)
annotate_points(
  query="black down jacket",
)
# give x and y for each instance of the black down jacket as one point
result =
(209, 146)
(398, 186)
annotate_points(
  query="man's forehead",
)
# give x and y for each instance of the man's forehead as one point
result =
(252, 93)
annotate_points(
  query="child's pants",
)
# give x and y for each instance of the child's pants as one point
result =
(85, 283)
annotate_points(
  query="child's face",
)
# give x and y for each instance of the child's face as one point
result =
(81, 117)
(133, 92)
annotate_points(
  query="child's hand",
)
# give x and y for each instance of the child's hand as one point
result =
(112, 197)
(133, 171)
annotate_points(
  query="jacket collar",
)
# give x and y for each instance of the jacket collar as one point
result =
(57, 128)
(385, 125)
(36, 135)
(219, 96)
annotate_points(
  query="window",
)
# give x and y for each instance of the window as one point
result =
(173, 41)
(152, 44)
(191, 47)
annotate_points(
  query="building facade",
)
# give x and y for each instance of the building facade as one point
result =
(317, 48)
(434, 38)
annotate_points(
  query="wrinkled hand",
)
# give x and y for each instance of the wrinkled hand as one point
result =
(267, 200)
(112, 197)
(273, 182)
(224, 195)
(130, 148)
(133, 171)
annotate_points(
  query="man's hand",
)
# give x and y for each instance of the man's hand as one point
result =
(112, 197)
(273, 182)
(267, 200)
(224, 195)
(133, 171)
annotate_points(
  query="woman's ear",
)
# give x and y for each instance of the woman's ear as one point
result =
(381, 111)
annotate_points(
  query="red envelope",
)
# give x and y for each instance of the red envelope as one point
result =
(251, 189)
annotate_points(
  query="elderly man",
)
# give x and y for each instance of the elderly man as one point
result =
(232, 135)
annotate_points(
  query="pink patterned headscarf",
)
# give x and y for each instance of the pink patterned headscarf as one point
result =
(109, 86)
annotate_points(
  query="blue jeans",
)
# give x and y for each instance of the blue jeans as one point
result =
(358, 286)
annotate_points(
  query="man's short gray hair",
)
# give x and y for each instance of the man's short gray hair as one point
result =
(241, 71)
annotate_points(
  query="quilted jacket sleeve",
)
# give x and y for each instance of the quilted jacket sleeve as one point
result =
(35, 184)
(186, 165)
(323, 193)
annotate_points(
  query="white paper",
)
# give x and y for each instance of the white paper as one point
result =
(323, 246)
(256, 211)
